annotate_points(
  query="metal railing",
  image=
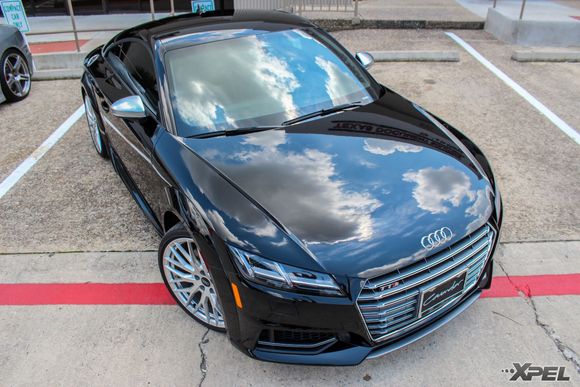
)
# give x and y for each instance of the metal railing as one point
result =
(521, 9)
(297, 6)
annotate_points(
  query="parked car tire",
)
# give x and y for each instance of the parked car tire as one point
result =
(95, 124)
(188, 279)
(16, 77)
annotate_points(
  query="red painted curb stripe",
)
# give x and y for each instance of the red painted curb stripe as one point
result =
(48, 47)
(500, 287)
(535, 285)
(85, 294)
(157, 294)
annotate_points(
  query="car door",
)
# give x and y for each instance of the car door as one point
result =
(129, 70)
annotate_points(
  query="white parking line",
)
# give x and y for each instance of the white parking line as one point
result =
(25, 166)
(564, 127)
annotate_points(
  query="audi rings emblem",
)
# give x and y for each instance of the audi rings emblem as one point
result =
(437, 238)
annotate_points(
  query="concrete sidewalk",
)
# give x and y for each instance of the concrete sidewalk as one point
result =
(372, 14)
(539, 23)
(92, 344)
(540, 10)
(404, 10)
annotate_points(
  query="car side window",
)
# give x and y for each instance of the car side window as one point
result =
(139, 66)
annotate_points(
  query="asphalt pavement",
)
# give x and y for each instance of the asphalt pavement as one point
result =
(70, 221)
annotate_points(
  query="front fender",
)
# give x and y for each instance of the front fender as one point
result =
(225, 211)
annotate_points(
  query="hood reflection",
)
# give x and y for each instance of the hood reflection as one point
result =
(358, 188)
(434, 187)
(311, 190)
(387, 147)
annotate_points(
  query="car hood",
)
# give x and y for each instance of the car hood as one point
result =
(359, 189)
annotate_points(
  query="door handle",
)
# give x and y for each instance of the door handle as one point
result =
(105, 106)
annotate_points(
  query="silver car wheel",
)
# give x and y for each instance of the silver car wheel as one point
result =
(16, 74)
(191, 282)
(93, 124)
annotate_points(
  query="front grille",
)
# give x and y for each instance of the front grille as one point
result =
(390, 303)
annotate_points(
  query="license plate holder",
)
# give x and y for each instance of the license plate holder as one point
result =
(438, 295)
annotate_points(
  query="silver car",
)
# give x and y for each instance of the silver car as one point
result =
(16, 65)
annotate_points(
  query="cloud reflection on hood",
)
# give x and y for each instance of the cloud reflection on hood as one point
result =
(219, 223)
(307, 183)
(481, 209)
(387, 147)
(435, 187)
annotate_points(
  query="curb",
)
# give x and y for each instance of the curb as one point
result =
(545, 56)
(59, 60)
(54, 74)
(415, 56)
(347, 24)
(532, 32)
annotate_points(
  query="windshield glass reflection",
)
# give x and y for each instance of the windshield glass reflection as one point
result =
(260, 80)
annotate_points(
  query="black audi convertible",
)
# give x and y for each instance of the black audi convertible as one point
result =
(310, 212)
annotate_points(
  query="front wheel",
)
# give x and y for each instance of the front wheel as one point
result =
(15, 81)
(187, 277)
(94, 123)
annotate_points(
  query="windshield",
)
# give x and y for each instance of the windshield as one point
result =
(260, 80)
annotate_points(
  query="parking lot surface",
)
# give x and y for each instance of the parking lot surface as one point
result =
(70, 220)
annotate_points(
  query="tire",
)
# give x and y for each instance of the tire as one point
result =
(182, 269)
(95, 125)
(15, 78)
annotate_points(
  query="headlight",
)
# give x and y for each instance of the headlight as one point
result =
(267, 272)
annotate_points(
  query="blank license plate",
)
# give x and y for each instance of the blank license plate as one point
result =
(438, 295)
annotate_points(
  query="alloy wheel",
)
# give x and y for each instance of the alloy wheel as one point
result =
(16, 74)
(93, 124)
(190, 281)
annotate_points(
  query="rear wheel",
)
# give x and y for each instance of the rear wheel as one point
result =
(94, 122)
(187, 277)
(15, 81)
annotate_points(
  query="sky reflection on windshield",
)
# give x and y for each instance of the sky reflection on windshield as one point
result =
(257, 80)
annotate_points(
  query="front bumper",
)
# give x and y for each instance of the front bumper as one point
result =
(356, 354)
(270, 310)
(273, 311)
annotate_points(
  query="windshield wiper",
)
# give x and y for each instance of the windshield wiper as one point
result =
(234, 132)
(254, 129)
(323, 112)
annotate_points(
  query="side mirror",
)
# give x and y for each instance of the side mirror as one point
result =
(365, 59)
(129, 107)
